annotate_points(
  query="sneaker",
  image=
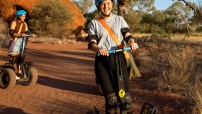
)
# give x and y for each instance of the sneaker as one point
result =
(17, 78)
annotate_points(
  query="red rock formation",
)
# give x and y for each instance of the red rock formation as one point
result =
(78, 19)
(8, 9)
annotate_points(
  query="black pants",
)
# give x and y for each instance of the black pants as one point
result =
(106, 72)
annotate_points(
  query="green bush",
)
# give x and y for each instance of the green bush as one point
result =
(169, 27)
(50, 18)
(158, 17)
(133, 19)
(158, 33)
(199, 29)
(89, 17)
(145, 28)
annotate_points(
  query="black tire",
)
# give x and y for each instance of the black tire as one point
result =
(7, 78)
(148, 108)
(33, 76)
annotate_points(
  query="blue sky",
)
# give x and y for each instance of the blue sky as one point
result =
(164, 4)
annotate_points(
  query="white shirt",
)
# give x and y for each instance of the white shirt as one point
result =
(103, 38)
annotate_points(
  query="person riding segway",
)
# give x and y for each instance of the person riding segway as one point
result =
(17, 70)
(109, 32)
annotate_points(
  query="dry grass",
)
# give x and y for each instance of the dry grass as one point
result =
(138, 35)
(180, 69)
(196, 95)
(177, 66)
(181, 73)
(51, 40)
(193, 37)
(176, 69)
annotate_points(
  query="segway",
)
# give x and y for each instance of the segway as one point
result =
(120, 92)
(110, 52)
(147, 108)
(8, 72)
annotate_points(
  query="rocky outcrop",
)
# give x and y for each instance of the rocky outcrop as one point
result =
(9, 7)
(3, 26)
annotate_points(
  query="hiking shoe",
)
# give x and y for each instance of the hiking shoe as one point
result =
(17, 78)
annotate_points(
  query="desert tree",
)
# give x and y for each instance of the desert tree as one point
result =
(182, 15)
(50, 17)
(84, 5)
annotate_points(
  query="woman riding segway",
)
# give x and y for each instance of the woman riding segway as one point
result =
(17, 70)
(108, 32)
(18, 29)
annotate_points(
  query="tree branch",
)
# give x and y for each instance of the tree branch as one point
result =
(196, 10)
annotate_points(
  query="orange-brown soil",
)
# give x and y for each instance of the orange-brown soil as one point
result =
(66, 85)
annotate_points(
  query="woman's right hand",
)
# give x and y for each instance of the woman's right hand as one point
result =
(103, 52)
(23, 35)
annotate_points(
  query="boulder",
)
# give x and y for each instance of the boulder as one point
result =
(8, 9)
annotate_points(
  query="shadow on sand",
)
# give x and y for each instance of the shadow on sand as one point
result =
(10, 110)
(67, 85)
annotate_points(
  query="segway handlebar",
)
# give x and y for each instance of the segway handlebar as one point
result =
(117, 50)
(28, 35)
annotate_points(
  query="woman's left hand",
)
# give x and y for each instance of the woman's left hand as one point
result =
(132, 44)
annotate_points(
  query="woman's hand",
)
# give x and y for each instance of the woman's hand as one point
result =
(23, 35)
(103, 52)
(132, 44)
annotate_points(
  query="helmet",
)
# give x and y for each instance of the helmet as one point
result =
(20, 12)
(97, 2)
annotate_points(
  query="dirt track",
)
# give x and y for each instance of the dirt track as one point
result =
(66, 85)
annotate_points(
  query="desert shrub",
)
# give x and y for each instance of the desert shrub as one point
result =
(50, 18)
(180, 71)
(195, 95)
(199, 29)
(158, 33)
(89, 17)
(145, 28)
(158, 17)
(3, 33)
(177, 64)
(133, 19)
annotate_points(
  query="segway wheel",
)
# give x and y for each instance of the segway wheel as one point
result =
(7, 78)
(33, 76)
(148, 108)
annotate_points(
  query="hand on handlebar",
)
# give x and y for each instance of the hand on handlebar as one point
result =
(103, 52)
(132, 44)
(112, 51)
(23, 35)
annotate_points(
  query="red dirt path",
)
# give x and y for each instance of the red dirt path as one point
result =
(66, 85)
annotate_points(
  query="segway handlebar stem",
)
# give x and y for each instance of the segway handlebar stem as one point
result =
(28, 35)
(117, 50)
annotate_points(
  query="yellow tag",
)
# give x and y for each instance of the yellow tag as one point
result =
(121, 93)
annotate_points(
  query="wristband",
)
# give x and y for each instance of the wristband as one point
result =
(128, 38)
(92, 41)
